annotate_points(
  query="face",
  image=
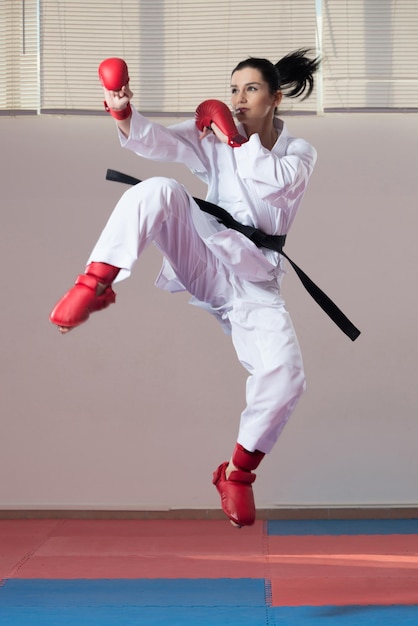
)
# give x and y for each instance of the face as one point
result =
(250, 96)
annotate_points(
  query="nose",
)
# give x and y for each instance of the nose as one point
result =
(238, 99)
(241, 97)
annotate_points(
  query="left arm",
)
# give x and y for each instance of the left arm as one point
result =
(274, 174)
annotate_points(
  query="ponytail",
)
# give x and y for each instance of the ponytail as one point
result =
(293, 74)
(296, 73)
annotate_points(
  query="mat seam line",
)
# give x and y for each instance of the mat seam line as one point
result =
(16, 568)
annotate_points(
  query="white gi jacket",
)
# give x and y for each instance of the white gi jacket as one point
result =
(256, 186)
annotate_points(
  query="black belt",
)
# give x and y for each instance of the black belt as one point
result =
(262, 240)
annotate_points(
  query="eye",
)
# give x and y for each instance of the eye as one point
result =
(234, 90)
(252, 88)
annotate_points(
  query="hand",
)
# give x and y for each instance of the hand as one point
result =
(216, 131)
(118, 100)
(210, 111)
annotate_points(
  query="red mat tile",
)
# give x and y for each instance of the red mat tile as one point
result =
(308, 545)
(340, 591)
(125, 546)
(7, 566)
(377, 552)
(19, 539)
(158, 528)
(148, 549)
(32, 527)
(152, 566)
(343, 570)
(17, 536)
(142, 537)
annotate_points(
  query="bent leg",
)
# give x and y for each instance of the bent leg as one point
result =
(157, 210)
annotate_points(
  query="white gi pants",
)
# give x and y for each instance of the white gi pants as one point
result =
(159, 210)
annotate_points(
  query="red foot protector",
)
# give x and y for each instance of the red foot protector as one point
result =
(75, 307)
(236, 493)
(217, 112)
(246, 460)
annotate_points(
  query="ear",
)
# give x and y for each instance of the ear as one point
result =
(278, 98)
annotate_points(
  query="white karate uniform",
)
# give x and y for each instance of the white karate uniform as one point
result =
(225, 273)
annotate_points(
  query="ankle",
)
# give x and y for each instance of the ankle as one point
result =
(103, 272)
(245, 459)
(230, 468)
(101, 288)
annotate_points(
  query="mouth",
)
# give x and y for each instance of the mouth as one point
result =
(241, 110)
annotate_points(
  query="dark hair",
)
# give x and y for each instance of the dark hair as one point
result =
(293, 74)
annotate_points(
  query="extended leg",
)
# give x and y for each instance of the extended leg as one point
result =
(266, 345)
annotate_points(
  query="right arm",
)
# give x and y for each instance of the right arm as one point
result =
(176, 144)
(118, 103)
(180, 143)
(114, 76)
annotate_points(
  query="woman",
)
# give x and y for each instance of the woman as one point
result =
(259, 179)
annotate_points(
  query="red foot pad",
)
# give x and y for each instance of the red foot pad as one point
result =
(75, 307)
(236, 493)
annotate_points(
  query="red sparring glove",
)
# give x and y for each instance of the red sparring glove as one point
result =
(217, 112)
(113, 74)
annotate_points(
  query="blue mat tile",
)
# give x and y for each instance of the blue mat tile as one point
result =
(139, 616)
(40, 593)
(211, 616)
(343, 527)
(344, 616)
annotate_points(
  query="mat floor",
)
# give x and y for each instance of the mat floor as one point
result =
(207, 573)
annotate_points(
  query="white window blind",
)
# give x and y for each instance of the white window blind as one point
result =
(75, 37)
(180, 52)
(19, 55)
(370, 54)
(189, 48)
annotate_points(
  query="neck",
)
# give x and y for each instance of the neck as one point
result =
(265, 130)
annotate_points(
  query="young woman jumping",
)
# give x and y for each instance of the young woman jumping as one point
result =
(258, 173)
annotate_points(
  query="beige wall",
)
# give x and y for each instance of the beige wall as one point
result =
(136, 408)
